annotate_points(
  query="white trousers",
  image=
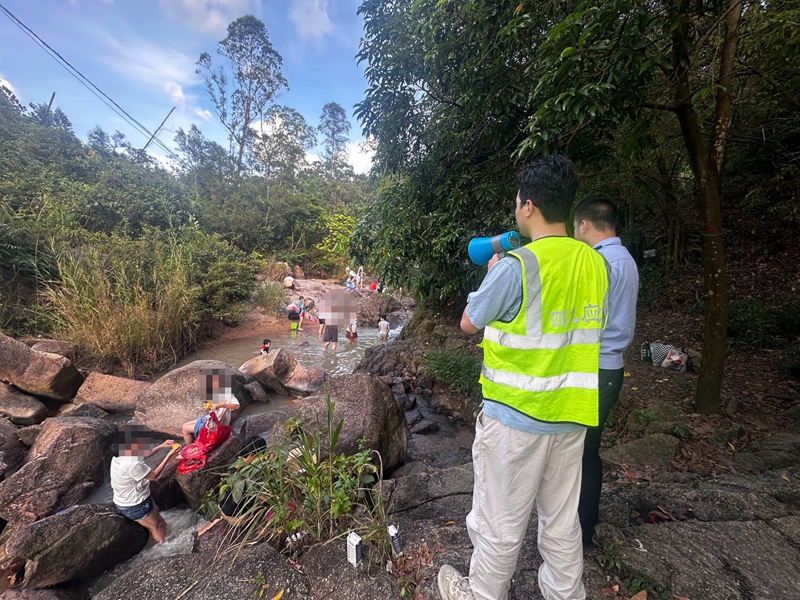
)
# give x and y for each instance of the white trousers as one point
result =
(512, 470)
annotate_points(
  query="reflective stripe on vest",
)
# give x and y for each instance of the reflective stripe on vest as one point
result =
(544, 363)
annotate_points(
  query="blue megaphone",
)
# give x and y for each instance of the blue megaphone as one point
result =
(481, 249)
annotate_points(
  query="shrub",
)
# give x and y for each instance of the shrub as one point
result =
(749, 323)
(269, 297)
(460, 371)
(298, 487)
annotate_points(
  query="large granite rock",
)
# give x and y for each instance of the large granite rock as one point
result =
(258, 572)
(78, 543)
(197, 483)
(176, 398)
(20, 408)
(113, 394)
(12, 450)
(39, 373)
(368, 410)
(62, 348)
(279, 371)
(269, 424)
(372, 305)
(82, 410)
(66, 462)
(778, 451)
(655, 450)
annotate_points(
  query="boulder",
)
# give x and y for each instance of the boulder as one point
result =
(297, 272)
(165, 489)
(62, 348)
(280, 372)
(82, 410)
(66, 462)
(197, 483)
(114, 394)
(257, 392)
(38, 373)
(777, 451)
(372, 305)
(12, 450)
(175, 398)
(368, 410)
(425, 427)
(20, 408)
(78, 543)
(269, 424)
(28, 435)
(257, 572)
(48, 594)
(655, 450)
(331, 576)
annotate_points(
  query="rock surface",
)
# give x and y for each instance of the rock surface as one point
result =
(12, 450)
(197, 483)
(38, 373)
(332, 577)
(259, 572)
(20, 408)
(777, 451)
(175, 398)
(368, 410)
(82, 410)
(62, 348)
(78, 543)
(113, 394)
(654, 450)
(28, 435)
(66, 462)
(280, 372)
(372, 305)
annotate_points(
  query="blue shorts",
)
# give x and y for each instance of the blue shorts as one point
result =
(198, 425)
(137, 512)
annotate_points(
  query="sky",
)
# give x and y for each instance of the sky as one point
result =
(142, 53)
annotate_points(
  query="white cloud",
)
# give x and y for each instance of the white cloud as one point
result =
(310, 18)
(360, 156)
(312, 158)
(150, 64)
(209, 16)
(6, 83)
(176, 93)
(203, 113)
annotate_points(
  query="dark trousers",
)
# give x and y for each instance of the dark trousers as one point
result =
(610, 383)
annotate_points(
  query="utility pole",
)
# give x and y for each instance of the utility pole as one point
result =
(50, 105)
(157, 129)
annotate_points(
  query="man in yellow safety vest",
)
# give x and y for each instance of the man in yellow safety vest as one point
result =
(543, 311)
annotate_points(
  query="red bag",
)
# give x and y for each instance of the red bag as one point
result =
(211, 435)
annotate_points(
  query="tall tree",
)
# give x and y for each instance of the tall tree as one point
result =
(334, 127)
(256, 79)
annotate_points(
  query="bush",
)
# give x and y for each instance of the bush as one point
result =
(297, 486)
(269, 298)
(749, 323)
(460, 371)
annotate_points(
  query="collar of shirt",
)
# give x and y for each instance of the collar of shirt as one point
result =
(612, 241)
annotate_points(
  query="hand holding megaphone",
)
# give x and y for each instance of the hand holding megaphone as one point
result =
(481, 249)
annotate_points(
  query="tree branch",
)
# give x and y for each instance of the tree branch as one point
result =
(722, 103)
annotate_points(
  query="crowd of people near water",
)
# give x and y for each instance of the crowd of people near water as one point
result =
(552, 372)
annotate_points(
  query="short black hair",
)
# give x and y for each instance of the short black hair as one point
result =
(600, 211)
(550, 183)
(267, 341)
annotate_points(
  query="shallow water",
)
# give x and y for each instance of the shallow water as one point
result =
(182, 527)
(306, 346)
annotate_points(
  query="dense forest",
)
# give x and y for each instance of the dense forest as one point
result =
(684, 111)
(102, 244)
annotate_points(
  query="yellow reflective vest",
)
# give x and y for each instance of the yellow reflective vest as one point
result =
(544, 363)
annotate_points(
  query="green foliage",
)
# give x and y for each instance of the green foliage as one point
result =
(749, 323)
(331, 252)
(301, 485)
(460, 371)
(644, 417)
(269, 297)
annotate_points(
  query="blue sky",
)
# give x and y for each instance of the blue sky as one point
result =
(142, 53)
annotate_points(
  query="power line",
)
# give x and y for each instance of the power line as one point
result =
(87, 83)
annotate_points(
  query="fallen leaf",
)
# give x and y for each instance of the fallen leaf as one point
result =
(731, 446)
(519, 8)
(278, 596)
(634, 389)
(450, 523)
(640, 596)
(627, 374)
(786, 477)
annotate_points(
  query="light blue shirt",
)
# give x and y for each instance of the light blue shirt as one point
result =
(499, 299)
(623, 290)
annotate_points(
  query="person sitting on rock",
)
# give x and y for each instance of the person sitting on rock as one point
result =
(288, 283)
(215, 386)
(131, 477)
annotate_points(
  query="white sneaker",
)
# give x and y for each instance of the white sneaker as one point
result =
(452, 586)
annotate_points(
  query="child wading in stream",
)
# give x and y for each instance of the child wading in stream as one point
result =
(131, 477)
